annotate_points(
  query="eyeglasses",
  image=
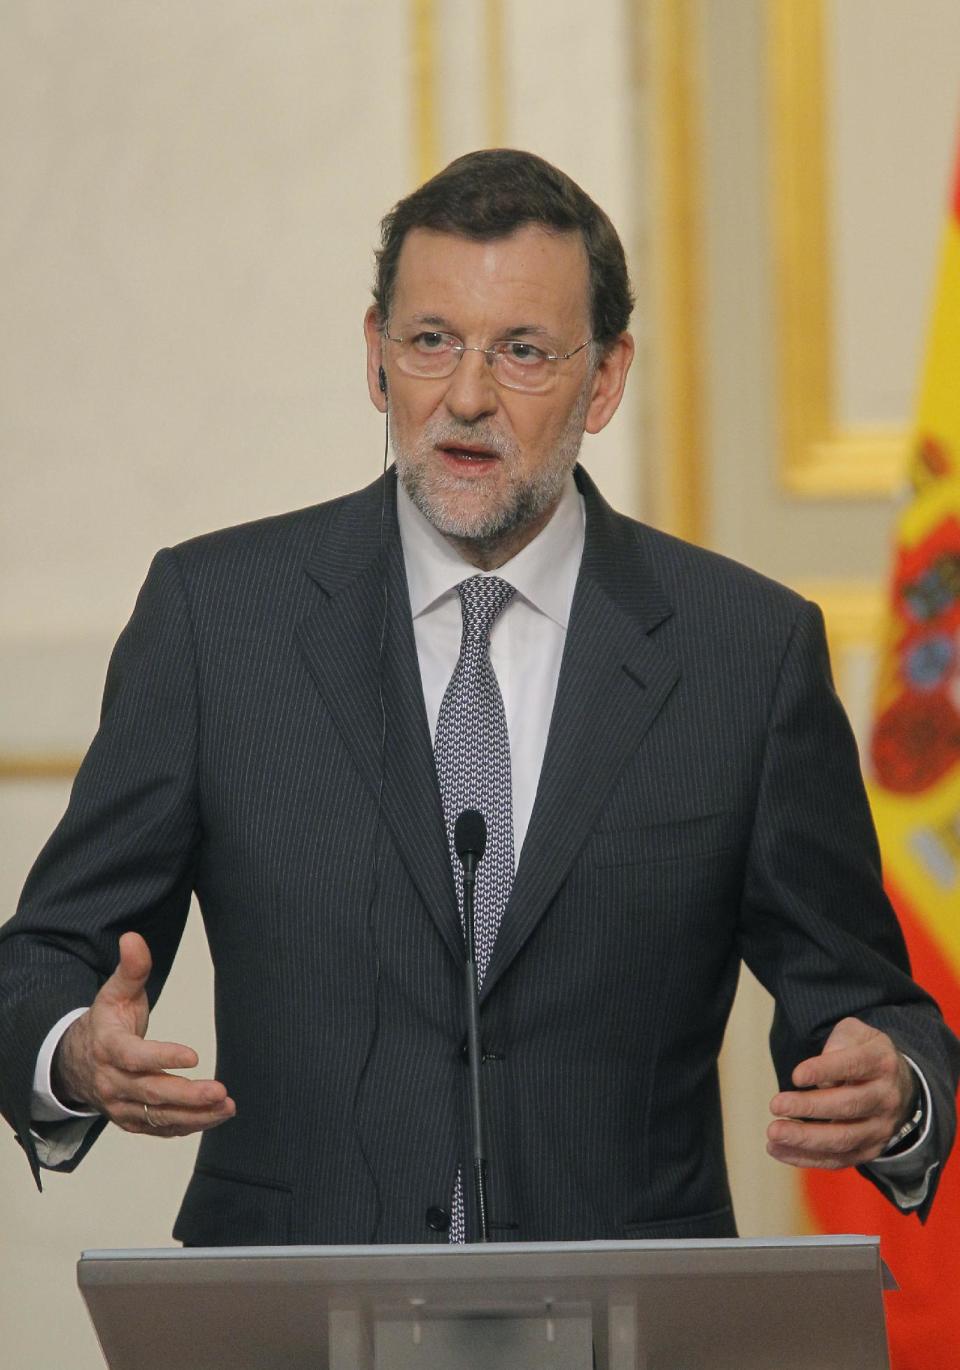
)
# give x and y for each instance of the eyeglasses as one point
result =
(515, 363)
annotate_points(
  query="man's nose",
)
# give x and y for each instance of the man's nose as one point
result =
(472, 393)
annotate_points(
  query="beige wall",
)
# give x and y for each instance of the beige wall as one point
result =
(195, 191)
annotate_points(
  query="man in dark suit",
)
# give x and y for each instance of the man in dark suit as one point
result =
(677, 781)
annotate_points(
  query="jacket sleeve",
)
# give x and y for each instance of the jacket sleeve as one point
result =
(816, 927)
(123, 855)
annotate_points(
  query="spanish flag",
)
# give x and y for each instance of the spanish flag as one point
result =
(915, 795)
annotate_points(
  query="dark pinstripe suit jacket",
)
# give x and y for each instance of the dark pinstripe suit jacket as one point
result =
(700, 802)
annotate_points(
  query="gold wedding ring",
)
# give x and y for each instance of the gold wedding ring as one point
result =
(150, 1121)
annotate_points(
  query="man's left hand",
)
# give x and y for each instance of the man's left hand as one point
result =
(853, 1098)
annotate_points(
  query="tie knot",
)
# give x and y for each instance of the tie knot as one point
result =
(481, 599)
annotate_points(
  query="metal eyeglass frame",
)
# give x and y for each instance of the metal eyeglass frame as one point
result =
(491, 353)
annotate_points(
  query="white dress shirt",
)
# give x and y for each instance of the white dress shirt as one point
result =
(526, 649)
(527, 638)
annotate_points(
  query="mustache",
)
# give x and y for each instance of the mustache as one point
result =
(447, 434)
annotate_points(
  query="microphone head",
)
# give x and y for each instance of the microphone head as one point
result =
(470, 835)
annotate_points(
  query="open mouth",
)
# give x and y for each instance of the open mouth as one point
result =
(467, 456)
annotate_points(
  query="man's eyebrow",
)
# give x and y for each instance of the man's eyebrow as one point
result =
(519, 330)
(434, 320)
(522, 329)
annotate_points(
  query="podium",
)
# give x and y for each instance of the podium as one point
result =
(807, 1303)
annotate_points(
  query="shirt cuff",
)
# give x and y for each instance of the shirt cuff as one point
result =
(907, 1174)
(45, 1107)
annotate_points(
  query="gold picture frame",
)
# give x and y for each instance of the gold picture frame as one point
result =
(820, 458)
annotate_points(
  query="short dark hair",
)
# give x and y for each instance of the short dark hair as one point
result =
(489, 194)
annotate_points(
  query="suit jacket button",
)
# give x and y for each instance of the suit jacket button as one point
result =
(438, 1219)
(485, 1055)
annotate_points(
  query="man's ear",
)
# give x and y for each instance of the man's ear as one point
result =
(375, 368)
(608, 381)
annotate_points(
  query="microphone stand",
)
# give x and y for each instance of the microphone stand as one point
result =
(469, 860)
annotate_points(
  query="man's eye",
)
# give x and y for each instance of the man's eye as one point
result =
(523, 352)
(431, 342)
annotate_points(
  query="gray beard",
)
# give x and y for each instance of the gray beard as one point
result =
(433, 492)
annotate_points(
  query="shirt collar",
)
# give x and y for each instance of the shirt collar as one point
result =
(544, 572)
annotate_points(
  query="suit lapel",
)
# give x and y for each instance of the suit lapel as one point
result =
(614, 680)
(341, 643)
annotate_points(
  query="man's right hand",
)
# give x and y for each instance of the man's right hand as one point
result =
(103, 1062)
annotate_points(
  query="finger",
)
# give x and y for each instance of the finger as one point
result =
(811, 1160)
(179, 1120)
(166, 1091)
(847, 1065)
(827, 1144)
(171, 1122)
(849, 1032)
(138, 1056)
(873, 1099)
(133, 969)
(854, 1050)
(804, 1160)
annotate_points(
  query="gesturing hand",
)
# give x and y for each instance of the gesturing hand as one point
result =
(104, 1063)
(861, 1093)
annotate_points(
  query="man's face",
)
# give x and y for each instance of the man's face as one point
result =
(484, 463)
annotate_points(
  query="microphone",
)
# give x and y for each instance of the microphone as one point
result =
(469, 842)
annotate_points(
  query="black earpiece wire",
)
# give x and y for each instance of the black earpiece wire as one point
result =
(375, 886)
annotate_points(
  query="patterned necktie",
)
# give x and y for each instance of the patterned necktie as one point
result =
(472, 753)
